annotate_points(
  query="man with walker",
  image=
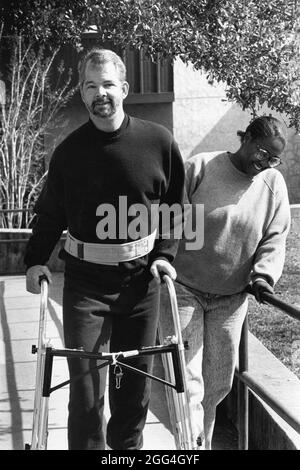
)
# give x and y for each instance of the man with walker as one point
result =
(111, 289)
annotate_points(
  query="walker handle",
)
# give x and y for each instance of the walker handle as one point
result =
(43, 277)
(164, 277)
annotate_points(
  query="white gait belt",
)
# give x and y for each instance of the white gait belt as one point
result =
(109, 253)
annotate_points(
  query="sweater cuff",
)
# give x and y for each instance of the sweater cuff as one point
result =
(260, 278)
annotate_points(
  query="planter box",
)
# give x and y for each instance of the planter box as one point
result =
(12, 249)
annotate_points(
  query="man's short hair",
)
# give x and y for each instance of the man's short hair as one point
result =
(99, 57)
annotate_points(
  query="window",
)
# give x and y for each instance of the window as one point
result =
(149, 81)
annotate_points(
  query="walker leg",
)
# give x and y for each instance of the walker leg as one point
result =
(178, 402)
(41, 403)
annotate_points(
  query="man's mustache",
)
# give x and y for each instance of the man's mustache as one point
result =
(100, 102)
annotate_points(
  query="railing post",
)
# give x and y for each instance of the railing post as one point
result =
(243, 399)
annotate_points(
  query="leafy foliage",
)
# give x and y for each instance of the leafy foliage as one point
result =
(51, 22)
(252, 46)
(254, 49)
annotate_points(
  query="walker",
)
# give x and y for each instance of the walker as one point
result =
(172, 351)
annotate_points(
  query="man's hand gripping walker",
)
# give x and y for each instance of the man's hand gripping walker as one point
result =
(173, 360)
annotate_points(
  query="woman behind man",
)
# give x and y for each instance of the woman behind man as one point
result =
(246, 222)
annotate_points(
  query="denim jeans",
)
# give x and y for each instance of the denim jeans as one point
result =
(212, 326)
(121, 317)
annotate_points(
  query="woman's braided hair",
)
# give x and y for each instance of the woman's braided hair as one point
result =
(264, 126)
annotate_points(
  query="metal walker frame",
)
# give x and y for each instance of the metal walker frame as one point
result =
(173, 359)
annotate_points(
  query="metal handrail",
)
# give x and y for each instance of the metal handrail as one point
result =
(278, 303)
(247, 381)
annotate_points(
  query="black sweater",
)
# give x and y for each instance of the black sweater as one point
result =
(90, 167)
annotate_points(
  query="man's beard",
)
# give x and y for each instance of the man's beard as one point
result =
(101, 108)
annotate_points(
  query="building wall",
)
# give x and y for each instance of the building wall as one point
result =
(162, 113)
(204, 121)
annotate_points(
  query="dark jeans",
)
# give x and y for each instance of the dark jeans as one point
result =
(101, 319)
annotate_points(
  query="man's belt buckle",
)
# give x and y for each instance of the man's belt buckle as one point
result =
(141, 248)
(80, 250)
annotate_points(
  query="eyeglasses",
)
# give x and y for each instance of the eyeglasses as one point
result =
(273, 160)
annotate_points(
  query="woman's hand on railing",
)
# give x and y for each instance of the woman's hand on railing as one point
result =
(259, 287)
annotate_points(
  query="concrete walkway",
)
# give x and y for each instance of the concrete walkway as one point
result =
(19, 329)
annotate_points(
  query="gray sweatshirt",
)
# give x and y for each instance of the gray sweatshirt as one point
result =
(246, 222)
